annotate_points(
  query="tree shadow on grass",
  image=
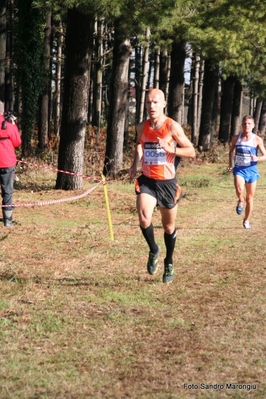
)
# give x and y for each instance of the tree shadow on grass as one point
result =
(68, 282)
(32, 186)
(13, 278)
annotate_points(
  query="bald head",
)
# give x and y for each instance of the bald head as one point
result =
(156, 92)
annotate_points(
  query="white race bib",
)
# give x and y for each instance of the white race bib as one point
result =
(153, 154)
(243, 160)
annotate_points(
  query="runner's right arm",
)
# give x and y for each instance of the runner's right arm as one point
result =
(138, 152)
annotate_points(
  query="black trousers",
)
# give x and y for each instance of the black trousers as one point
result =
(7, 184)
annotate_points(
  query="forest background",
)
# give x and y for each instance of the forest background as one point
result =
(79, 70)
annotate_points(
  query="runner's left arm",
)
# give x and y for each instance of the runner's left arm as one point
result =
(262, 149)
(184, 148)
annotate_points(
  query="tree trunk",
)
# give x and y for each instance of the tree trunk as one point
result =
(201, 77)
(156, 68)
(176, 84)
(194, 109)
(215, 111)
(169, 61)
(144, 77)
(252, 102)
(257, 114)
(226, 109)
(210, 81)
(98, 73)
(44, 100)
(126, 124)
(151, 61)
(163, 71)
(29, 51)
(138, 70)
(237, 108)
(57, 117)
(8, 89)
(118, 99)
(79, 39)
(2, 49)
(262, 124)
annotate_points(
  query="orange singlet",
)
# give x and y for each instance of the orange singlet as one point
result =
(156, 162)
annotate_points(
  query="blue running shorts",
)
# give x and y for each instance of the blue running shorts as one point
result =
(249, 173)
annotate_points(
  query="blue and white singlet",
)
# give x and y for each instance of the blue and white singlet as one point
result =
(243, 151)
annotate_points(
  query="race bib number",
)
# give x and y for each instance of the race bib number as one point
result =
(243, 160)
(153, 154)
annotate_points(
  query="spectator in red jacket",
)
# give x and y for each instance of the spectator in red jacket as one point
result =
(9, 139)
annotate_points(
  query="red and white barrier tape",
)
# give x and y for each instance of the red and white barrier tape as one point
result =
(58, 170)
(49, 202)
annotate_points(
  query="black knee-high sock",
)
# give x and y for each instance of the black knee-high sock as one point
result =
(170, 240)
(148, 234)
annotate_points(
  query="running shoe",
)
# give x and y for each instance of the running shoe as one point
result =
(153, 262)
(239, 207)
(246, 225)
(168, 275)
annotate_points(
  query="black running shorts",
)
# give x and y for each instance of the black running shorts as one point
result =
(166, 192)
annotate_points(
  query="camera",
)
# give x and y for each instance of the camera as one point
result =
(9, 117)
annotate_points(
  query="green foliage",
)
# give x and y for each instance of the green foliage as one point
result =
(104, 8)
(231, 33)
(227, 31)
(173, 23)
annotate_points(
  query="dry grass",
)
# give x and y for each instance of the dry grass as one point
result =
(81, 318)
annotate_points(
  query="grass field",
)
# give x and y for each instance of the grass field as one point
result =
(81, 318)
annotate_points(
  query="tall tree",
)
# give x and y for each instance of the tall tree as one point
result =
(98, 72)
(45, 97)
(194, 108)
(237, 108)
(164, 73)
(138, 77)
(176, 84)
(3, 34)
(262, 124)
(118, 99)
(29, 49)
(75, 99)
(257, 113)
(210, 82)
(226, 108)
(58, 77)
(10, 90)
(156, 68)
(144, 80)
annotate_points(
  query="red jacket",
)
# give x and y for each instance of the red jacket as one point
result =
(9, 139)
